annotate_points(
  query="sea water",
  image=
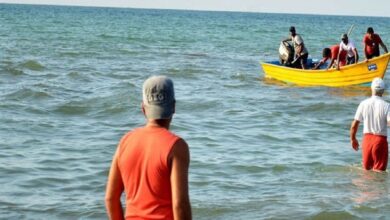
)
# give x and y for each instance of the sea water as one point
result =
(70, 87)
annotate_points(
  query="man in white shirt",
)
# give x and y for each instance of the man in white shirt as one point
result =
(348, 46)
(301, 53)
(375, 114)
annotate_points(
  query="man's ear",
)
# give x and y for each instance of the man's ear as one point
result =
(143, 108)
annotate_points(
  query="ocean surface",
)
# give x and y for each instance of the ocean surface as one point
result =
(70, 87)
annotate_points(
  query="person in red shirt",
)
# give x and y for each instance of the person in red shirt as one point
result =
(371, 43)
(331, 53)
(151, 163)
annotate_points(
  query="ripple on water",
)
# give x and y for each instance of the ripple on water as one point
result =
(336, 215)
(14, 71)
(72, 108)
(32, 65)
(28, 93)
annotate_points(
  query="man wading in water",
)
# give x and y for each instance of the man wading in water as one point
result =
(374, 112)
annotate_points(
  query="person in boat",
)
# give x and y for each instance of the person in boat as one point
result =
(371, 43)
(331, 53)
(300, 51)
(348, 46)
(374, 112)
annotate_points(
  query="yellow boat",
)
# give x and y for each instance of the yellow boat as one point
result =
(356, 74)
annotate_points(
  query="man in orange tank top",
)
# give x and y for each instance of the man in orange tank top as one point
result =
(151, 163)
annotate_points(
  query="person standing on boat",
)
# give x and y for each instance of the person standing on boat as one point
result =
(332, 53)
(151, 163)
(371, 43)
(300, 51)
(374, 112)
(348, 46)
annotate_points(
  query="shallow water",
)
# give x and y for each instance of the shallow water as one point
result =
(70, 87)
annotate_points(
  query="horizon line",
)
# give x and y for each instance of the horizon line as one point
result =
(187, 9)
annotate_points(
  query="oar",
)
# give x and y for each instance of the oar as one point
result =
(350, 30)
(295, 60)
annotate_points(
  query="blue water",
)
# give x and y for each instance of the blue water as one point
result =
(70, 87)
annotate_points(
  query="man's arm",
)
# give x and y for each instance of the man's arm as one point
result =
(287, 39)
(365, 51)
(179, 181)
(330, 63)
(384, 47)
(356, 55)
(319, 64)
(338, 58)
(365, 45)
(337, 61)
(299, 50)
(352, 133)
(114, 191)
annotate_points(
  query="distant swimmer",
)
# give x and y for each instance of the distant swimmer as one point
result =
(348, 46)
(371, 43)
(332, 53)
(151, 163)
(374, 112)
(300, 51)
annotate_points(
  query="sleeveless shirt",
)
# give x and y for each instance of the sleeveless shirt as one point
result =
(145, 171)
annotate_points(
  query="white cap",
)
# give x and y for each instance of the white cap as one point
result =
(377, 84)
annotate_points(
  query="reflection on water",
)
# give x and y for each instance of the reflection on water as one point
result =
(350, 91)
(370, 186)
(347, 91)
(272, 81)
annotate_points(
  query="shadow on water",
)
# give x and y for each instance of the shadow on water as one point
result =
(350, 91)
(275, 82)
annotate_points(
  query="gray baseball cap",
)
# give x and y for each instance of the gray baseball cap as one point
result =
(158, 97)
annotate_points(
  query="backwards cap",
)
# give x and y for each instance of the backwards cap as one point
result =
(158, 97)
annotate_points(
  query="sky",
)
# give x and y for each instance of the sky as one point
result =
(325, 7)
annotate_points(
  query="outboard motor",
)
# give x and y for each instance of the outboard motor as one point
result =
(286, 53)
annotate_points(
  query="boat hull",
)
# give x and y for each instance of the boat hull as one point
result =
(356, 74)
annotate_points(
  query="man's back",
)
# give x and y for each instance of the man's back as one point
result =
(298, 41)
(151, 163)
(145, 169)
(374, 112)
(349, 47)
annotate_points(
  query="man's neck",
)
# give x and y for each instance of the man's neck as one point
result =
(162, 123)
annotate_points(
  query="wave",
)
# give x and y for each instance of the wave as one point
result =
(32, 65)
(107, 36)
(79, 53)
(95, 106)
(72, 108)
(14, 71)
(29, 93)
(333, 215)
(196, 54)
